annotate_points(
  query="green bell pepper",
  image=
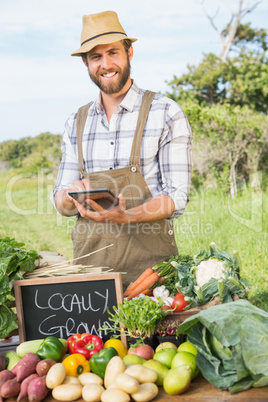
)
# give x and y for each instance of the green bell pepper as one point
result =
(51, 348)
(99, 361)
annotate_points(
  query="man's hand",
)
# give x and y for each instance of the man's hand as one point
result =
(65, 203)
(159, 207)
(79, 185)
(115, 215)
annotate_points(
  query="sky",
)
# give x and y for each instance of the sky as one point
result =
(41, 85)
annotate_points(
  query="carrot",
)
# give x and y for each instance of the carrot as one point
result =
(146, 284)
(140, 279)
(148, 292)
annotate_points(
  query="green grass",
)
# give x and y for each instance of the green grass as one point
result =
(240, 224)
(28, 215)
(233, 224)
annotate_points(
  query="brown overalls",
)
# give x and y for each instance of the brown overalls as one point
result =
(135, 246)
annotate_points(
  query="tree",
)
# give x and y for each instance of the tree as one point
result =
(231, 34)
(229, 143)
(225, 98)
(237, 76)
(15, 149)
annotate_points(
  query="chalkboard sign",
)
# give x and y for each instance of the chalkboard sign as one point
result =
(62, 306)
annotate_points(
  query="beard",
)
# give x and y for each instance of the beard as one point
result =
(110, 87)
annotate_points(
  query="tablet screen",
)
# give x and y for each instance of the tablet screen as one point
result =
(103, 196)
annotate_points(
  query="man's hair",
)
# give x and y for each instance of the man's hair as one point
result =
(126, 43)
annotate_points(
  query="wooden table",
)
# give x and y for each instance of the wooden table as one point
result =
(200, 390)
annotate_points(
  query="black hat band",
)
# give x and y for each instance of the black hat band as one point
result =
(97, 36)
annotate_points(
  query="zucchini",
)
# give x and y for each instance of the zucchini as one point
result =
(13, 358)
(33, 346)
(28, 347)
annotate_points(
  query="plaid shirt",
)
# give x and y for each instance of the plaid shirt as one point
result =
(165, 159)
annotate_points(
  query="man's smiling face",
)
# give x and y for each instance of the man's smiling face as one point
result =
(109, 67)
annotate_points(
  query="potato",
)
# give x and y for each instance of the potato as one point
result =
(37, 389)
(147, 392)
(10, 388)
(114, 395)
(127, 383)
(55, 375)
(114, 367)
(70, 380)
(26, 366)
(43, 366)
(90, 378)
(24, 386)
(92, 392)
(113, 385)
(6, 375)
(67, 392)
(141, 373)
(3, 363)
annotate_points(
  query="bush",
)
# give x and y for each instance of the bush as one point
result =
(230, 143)
(32, 155)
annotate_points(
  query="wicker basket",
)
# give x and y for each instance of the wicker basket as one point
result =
(189, 313)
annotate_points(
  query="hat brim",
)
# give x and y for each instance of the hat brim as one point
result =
(102, 40)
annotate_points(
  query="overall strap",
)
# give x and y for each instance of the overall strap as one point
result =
(137, 139)
(80, 125)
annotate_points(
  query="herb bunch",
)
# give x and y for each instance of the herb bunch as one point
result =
(139, 317)
(167, 327)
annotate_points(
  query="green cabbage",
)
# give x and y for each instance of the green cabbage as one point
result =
(232, 344)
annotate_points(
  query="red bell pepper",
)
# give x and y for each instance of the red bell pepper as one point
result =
(85, 344)
(72, 340)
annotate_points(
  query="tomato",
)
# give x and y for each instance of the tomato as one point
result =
(179, 303)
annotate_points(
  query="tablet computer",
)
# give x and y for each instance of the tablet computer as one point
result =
(102, 196)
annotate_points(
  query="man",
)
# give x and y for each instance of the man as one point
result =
(140, 151)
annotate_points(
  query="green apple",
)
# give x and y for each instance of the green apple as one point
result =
(129, 360)
(178, 380)
(165, 356)
(160, 368)
(185, 359)
(187, 347)
(166, 345)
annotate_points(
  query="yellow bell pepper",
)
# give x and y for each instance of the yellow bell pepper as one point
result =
(76, 364)
(118, 345)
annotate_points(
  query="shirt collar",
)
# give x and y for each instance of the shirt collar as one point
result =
(131, 98)
(128, 103)
(98, 104)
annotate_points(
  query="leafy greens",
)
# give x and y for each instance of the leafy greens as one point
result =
(14, 262)
(232, 344)
(232, 283)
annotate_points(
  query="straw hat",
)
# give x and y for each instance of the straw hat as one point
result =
(100, 29)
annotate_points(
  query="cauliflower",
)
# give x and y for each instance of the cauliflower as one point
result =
(208, 269)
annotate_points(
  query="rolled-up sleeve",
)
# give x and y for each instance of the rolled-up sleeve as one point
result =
(175, 159)
(68, 171)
